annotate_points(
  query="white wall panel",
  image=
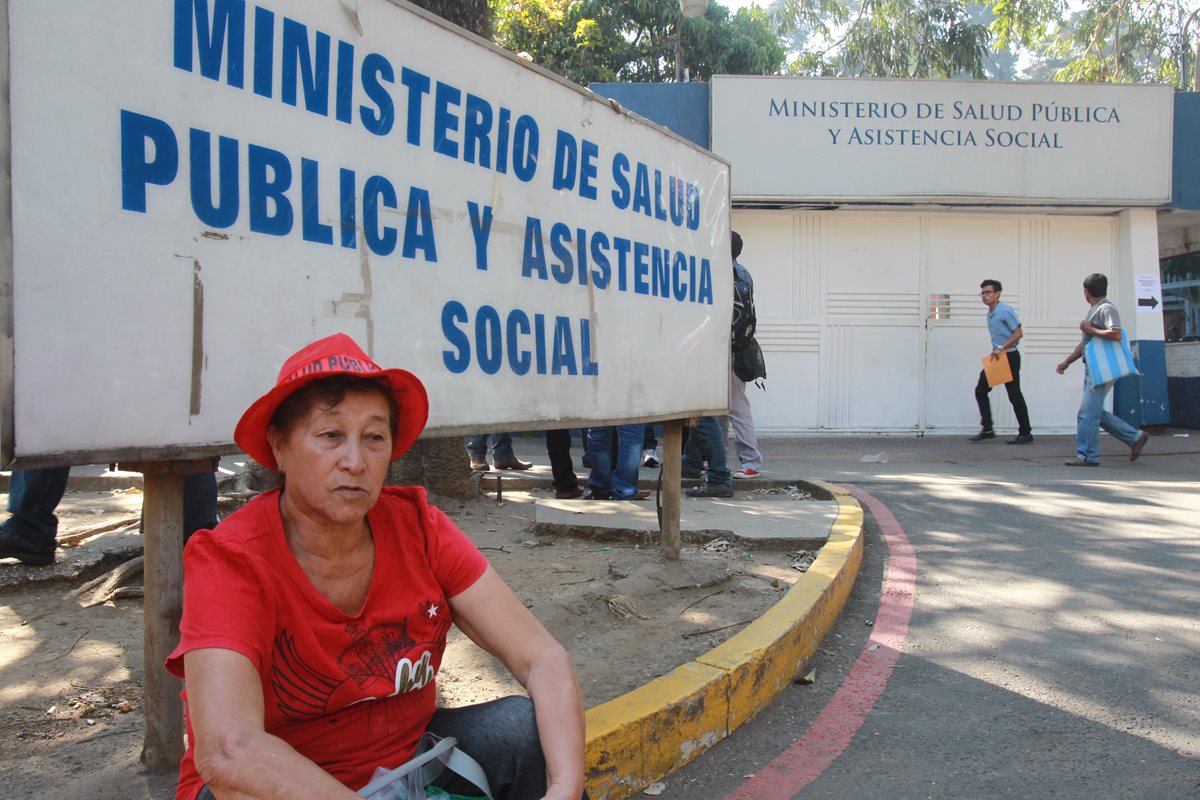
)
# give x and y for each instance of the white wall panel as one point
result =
(870, 358)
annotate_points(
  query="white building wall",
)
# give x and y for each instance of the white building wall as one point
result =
(844, 303)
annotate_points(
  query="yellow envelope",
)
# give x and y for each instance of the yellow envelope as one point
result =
(997, 371)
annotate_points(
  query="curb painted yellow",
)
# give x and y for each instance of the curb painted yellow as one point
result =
(646, 734)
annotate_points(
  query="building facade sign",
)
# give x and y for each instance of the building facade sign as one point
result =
(957, 142)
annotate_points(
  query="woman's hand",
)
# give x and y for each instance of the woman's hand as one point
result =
(496, 620)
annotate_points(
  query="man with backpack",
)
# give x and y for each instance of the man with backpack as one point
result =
(742, 343)
(706, 443)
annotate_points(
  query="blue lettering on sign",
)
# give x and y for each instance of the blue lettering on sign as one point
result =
(533, 255)
(517, 325)
(377, 190)
(150, 157)
(564, 268)
(349, 220)
(224, 212)
(310, 212)
(418, 226)
(264, 53)
(345, 84)
(678, 203)
(138, 168)
(224, 32)
(563, 348)
(444, 121)
(300, 64)
(488, 340)
(323, 75)
(270, 175)
(458, 359)
(477, 145)
(377, 70)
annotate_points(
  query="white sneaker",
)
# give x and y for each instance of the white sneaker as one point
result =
(649, 458)
(746, 472)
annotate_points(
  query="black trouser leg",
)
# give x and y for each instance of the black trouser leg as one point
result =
(981, 397)
(1015, 397)
(502, 736)
(558, 449)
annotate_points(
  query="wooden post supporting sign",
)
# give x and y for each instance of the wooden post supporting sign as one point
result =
(672, 475)
(162, 514)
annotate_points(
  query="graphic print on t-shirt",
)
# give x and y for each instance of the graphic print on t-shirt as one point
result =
(380, 661)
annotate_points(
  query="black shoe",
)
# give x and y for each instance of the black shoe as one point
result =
(1135, 449)
(14, 547)
(594, 495)
(979, 437)
(1023, 438)
(567, 494)
(708, 490)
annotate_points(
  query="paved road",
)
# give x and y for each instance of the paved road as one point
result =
(1053, 648)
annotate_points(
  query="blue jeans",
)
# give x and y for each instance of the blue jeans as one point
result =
(604, 480)
(502, 449)
(1093, 417)
(706, 442)
(34, 494)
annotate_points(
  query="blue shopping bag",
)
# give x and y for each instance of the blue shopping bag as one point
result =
(1108, 360)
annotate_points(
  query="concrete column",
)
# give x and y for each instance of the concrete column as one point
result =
(1140, 401)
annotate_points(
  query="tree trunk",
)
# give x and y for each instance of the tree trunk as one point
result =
(441, 465)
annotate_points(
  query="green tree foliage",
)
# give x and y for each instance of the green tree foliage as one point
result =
(1104, 41)
(635, 40)
(1120, 41)
(887, 38)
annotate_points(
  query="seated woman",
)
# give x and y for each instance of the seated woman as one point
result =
(315, 617)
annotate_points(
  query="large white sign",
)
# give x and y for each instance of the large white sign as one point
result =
(201, 187)
(849, 140)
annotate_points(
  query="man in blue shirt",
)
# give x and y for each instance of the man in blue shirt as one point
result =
(1005, 330)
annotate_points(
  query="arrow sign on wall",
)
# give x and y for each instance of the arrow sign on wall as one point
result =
(1151, 302)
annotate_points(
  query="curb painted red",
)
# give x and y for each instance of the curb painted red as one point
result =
(832, 730)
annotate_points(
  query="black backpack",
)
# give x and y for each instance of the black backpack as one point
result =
(744, 318)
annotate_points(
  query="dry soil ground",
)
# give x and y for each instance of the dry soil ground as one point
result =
(71, 707)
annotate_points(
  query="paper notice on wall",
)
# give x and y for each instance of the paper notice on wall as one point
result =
(1149, 293)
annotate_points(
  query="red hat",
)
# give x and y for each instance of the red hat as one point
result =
(334, 355)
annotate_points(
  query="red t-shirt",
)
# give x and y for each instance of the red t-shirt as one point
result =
(349, 692)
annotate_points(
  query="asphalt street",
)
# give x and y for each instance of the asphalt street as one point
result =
(1053, 640)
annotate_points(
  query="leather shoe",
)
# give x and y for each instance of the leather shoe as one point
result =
(1135, 449)
(1024, 438)
(594, 495)
(979, 437)
(567, 494)
(513, 463)
(640, 494)
(708, 490)
(1080, 462)
(479, 465)
(14, 547)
